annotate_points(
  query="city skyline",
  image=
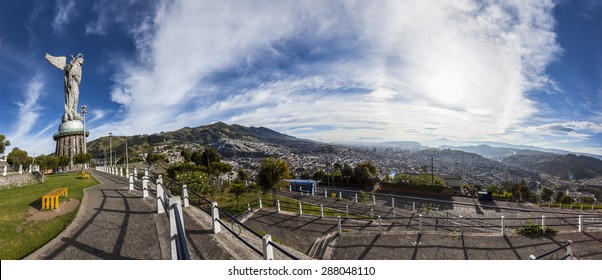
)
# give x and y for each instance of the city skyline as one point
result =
(518, 72)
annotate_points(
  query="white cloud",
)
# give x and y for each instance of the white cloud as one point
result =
(65, 11)
(393, 70)
(28, 117)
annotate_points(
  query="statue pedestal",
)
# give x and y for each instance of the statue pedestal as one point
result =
(70, 139)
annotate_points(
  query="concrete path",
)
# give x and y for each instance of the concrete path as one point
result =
(112, 223)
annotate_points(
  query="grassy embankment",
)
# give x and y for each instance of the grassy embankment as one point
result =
(20, 237)
(227, 201)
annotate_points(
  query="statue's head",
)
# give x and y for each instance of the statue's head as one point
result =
(79, 58)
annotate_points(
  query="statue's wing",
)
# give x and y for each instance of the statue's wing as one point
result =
(58, 61)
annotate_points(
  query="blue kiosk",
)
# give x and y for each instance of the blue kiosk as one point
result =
(306, 186)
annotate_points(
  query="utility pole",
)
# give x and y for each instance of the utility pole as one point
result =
(127, 162)
(432, 172)
(110, 150)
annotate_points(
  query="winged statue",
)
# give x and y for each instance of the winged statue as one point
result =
(73, 77)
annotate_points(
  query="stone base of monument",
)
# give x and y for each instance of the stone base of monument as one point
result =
(70, 139)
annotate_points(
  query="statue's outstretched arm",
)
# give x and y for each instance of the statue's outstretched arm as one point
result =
(57, 61)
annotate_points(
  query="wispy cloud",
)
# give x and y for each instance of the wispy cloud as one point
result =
(65, 11)
(28, 117)
(392, 70)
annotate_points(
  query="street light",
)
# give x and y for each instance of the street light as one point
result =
(84, 112)
(127, 163)
(110, 150)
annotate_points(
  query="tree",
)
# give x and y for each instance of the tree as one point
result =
(336, 167)
(305, 176)
(153, 158)
(565, 199)
(364, 171)
(492, 189)
(271, 175)
(318, 175)
(218, 168)
(196, 158)
(187, 155)
(209, 155)
(237, 190)
(3, 143)
(347, 172)
(83, 158)
(197, 181)
(243, 175)
(63, 161)
(18, 157)
(587, 200)
(546, 194)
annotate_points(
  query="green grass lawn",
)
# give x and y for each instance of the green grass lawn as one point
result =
(19, 237)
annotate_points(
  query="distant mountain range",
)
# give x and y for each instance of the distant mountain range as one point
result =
(258, 142)
(567, 167)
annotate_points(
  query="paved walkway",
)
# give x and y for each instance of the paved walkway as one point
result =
(112, 223)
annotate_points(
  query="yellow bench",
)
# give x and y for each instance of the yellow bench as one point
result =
(51, 199)
(85, 175)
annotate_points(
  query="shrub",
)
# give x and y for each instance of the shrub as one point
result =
(530, 229)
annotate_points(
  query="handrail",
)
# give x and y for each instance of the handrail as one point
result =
(283, 251)
(554, 251)
(181, 244)
(241, 239)
(239, 223)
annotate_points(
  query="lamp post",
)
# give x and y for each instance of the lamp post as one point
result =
(127, 163)
(84, 112)
(110, 150)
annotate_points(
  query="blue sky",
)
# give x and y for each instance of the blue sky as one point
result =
(520, 72)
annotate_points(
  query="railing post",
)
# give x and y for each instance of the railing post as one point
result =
(340, 225)
(160, 198)
(347, 210)
(120, 172)
(268, 251)
(503, 227)
(413, 207)
(321, 211)
(131, 182)
(173, 231)
(146, 172)
(378, 222)
(372, 212)
(144, 187)
(461, 226)
(248, 206)
(543, 224)
(325, 193)
(215, 217)
(580, 223)
(569, 250)
(300, 209)
(160, 180)
(340, 194)
(185, 195)
(373, 199)
(278, 205)
(356, 198)
(174, 203)
(260, 204)
(135, 174)
(290, 189)
(393, 202)
(420, 223)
